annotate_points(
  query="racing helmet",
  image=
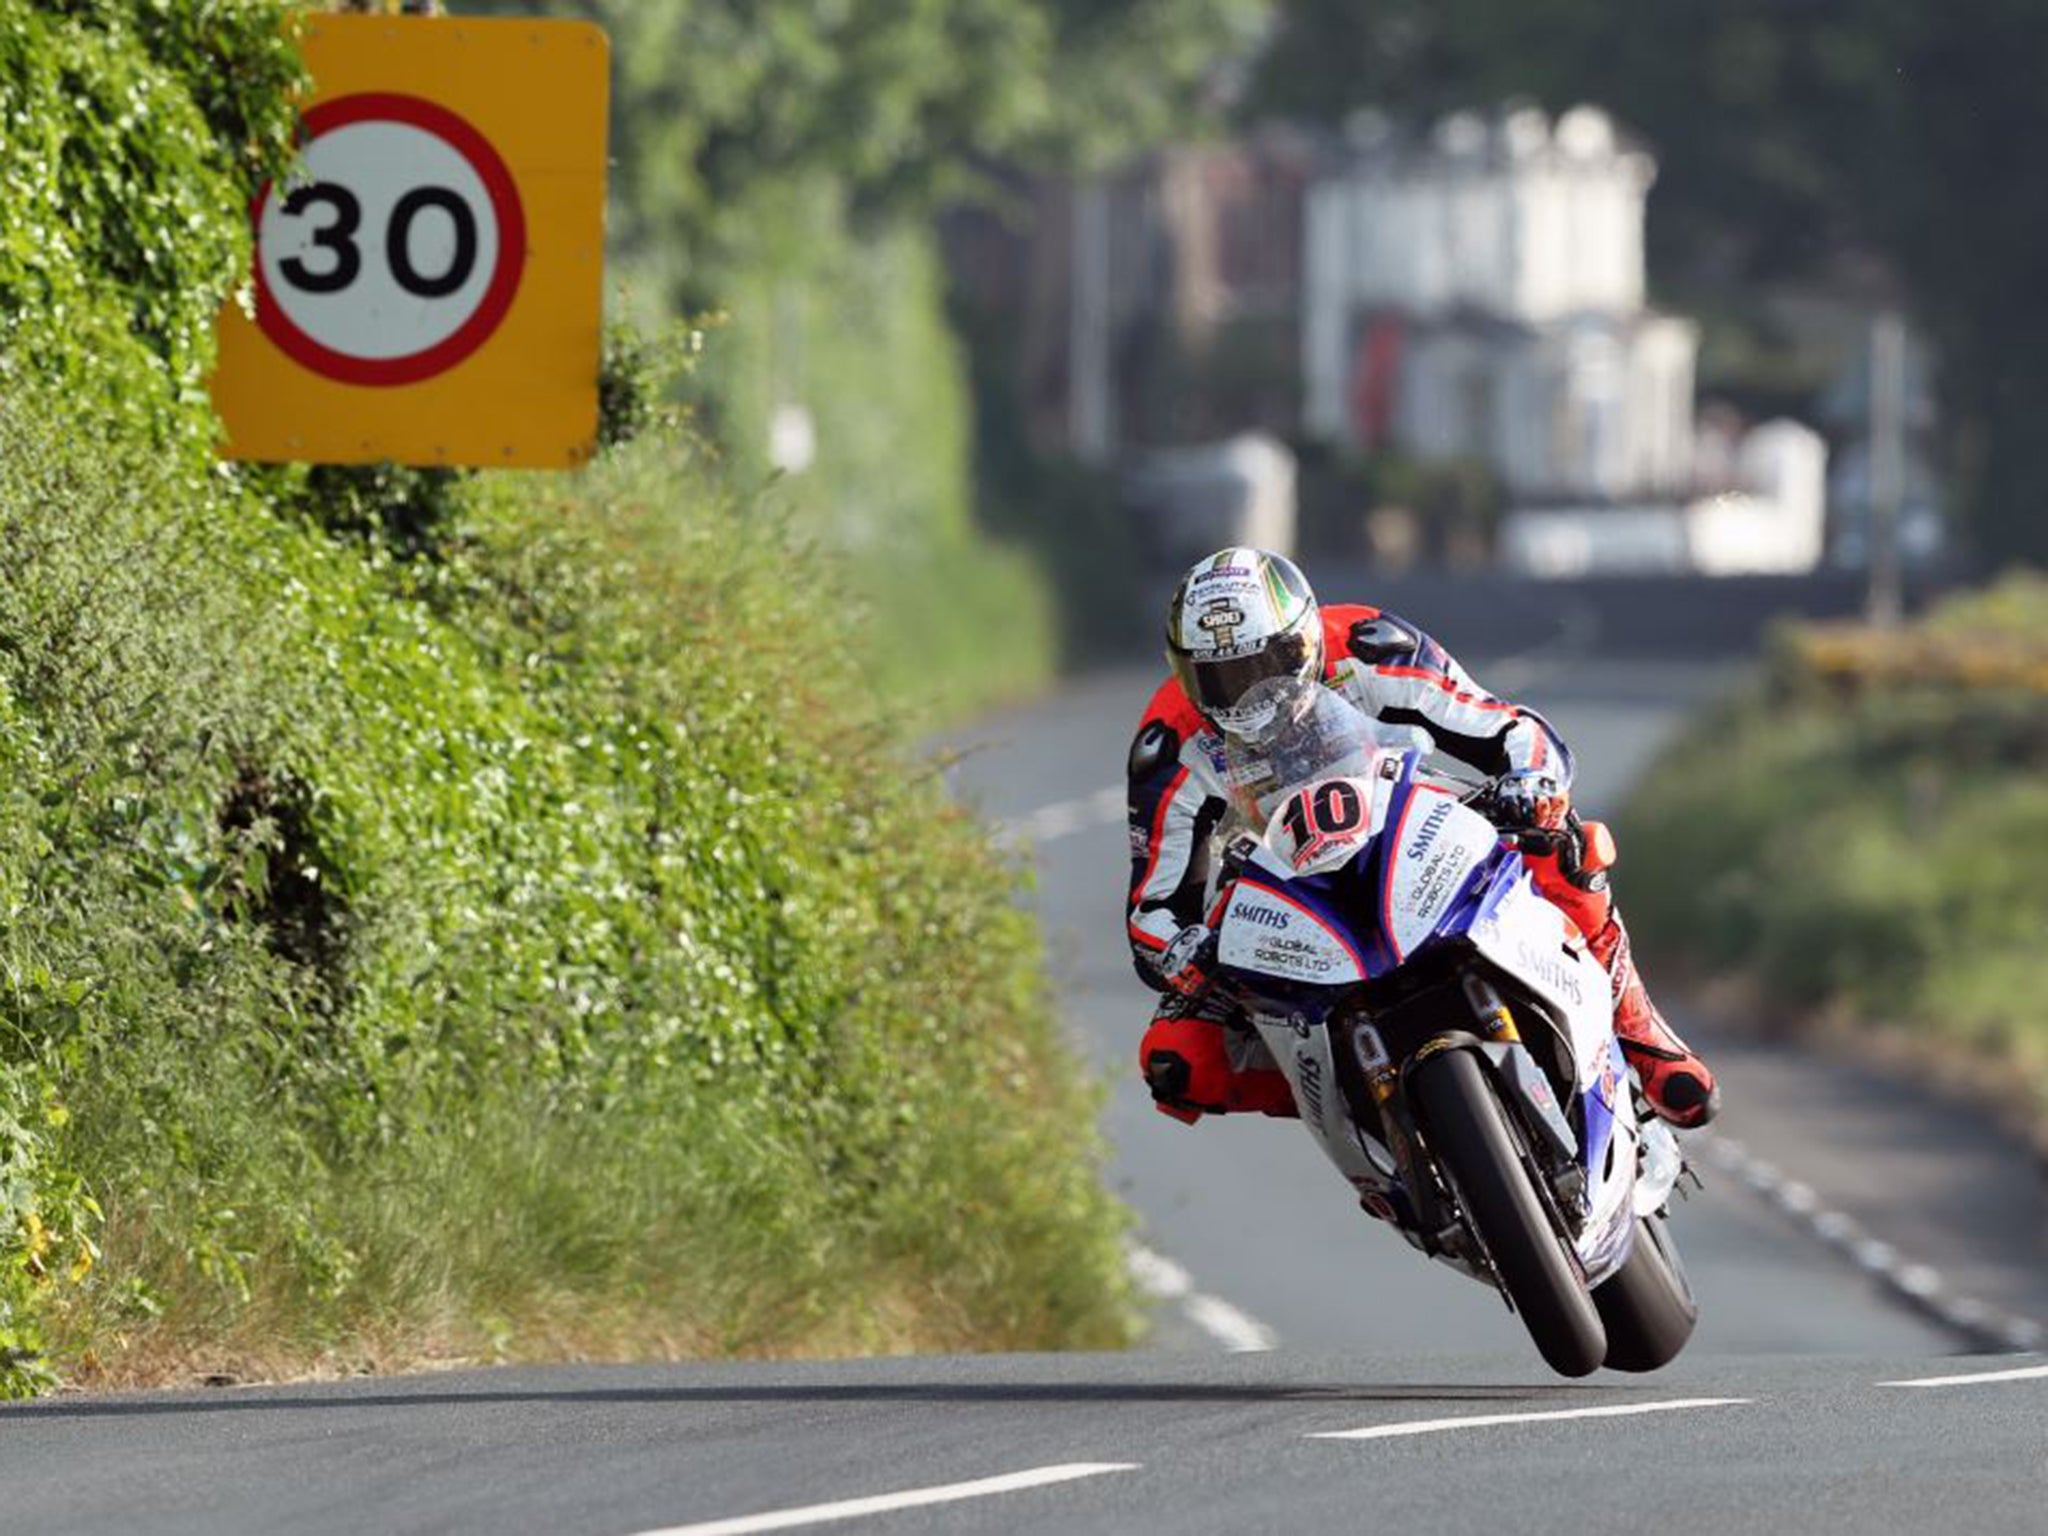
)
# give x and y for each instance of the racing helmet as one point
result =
(1240, 618)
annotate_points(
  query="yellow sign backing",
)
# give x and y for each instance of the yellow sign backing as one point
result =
(429, 282)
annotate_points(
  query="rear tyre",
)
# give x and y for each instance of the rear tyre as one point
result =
(1469, 1138)
(1647, 1304)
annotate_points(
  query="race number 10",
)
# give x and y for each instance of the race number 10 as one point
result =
(396, 250)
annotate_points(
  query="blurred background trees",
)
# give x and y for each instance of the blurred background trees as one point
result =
(783, 169)
(1880, 144)
(778, 170)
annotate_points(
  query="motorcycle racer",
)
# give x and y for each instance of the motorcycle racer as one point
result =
(1245, 616)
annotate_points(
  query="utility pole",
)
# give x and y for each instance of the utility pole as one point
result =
(1091, 377)
(1885, 601)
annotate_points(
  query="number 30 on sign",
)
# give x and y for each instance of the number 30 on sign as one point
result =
(403, 308)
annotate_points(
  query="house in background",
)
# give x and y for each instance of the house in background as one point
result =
(1478, 292)
(1471, 292)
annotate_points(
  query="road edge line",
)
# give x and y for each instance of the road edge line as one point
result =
(1918, 1287)
(1229, 1325)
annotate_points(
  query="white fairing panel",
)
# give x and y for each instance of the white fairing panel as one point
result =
(1437, 846)
(1304, 1055)
(1528, 937)
(1265, 933)
(1326, 849)
(1531, 939)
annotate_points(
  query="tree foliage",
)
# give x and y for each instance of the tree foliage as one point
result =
(1788, 135)
(724, 107)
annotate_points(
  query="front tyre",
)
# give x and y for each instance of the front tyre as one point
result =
(1647, 1304)
(1469, 1138)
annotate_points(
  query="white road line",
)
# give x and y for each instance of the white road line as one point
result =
(1488, 1420)
(883, 1503)
(1064, 818)
(1919, 1286)
(1980, 1379)
(1232, 1327)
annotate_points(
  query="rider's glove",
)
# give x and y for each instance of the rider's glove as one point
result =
(1186, 963)
(1530, 800)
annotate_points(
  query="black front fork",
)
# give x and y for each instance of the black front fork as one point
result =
(1525, 1090)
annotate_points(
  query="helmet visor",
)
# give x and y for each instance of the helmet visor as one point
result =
(1216, 685)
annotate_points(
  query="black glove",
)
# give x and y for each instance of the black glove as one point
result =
(1187, 964)
(1530, 800)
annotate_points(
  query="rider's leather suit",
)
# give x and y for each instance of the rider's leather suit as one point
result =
(1396, 674)
(1391, 670)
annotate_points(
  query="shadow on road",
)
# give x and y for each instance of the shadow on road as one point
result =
(267, 1400)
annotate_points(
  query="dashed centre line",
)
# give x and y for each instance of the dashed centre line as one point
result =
(1490, 1420)
(1975, 1378)
(1230, 1326)
(884, 1503)
(1064, 818)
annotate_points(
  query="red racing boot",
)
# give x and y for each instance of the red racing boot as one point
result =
(1195, 1065)
(1572, 875)
(1675, 1081)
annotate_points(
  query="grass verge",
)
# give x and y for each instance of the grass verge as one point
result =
(1860, 835)
(537, 950)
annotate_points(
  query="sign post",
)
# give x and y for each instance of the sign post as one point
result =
(428, 282)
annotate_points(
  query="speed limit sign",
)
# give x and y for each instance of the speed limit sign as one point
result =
(427, 283)
(401, 249)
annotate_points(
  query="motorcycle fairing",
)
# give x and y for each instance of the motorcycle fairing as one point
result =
(1303, 1047)
(1427, 863)
(1419, 867)
(1531, 940)
(1283, 932)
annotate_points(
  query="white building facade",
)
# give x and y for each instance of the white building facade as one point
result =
(1480, 293)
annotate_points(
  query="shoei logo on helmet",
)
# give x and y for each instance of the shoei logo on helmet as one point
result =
(1221, 624)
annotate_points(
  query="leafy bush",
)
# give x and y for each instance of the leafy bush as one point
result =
(1869, 843)
(131, 135)
(540, 947)
(534, 1004)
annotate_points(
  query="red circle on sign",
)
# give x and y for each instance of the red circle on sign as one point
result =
(382, 106)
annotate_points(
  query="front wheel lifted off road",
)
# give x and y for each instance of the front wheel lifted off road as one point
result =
(1469, 1137)
(1647, 1304)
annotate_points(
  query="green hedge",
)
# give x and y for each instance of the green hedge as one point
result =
(515, 935)
(1868, 845)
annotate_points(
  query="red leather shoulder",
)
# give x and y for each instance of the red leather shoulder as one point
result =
(1171, 705)
(1337, 621)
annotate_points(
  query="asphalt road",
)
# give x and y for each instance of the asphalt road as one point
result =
(1783, 1416)
(1144, 1442)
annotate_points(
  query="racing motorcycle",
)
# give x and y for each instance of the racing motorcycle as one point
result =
(1448, 1037)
